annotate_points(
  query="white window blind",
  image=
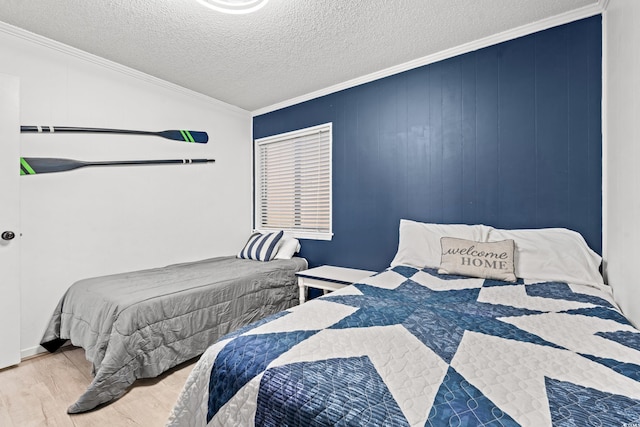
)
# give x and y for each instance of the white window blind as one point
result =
(293, 182)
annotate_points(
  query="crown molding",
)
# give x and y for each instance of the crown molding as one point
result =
(113, 66)
(554, 21)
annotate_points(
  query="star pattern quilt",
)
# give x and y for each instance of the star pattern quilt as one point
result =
(410, 347)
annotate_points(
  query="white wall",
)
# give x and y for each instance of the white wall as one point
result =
(622, 153)
(97, 221)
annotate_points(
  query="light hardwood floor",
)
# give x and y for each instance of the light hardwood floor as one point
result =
(38, 391)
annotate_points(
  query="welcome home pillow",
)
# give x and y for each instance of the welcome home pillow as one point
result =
(261, 247)
(487, 260)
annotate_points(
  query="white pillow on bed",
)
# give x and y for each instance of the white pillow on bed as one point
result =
(552, 254)
(288, 247)
(419, 243)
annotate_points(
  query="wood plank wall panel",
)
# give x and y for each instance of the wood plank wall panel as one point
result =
(508, 136)
(593, 88)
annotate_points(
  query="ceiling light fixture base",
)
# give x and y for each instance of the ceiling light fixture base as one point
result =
(235, 7)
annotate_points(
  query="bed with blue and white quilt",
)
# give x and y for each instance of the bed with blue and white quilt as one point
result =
(412, 346)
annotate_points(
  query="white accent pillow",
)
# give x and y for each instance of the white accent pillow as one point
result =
(419, 243)
(552, 254)
(288, 248)
(478, 259)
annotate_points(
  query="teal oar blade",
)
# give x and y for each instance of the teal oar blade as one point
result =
(175, 135)
(39, 165)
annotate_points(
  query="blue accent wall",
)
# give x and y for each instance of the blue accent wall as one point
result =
(508, 136)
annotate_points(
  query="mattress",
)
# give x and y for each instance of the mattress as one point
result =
(139, 324)
(411, 347)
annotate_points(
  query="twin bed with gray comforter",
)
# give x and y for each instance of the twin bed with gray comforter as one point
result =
(140, 324)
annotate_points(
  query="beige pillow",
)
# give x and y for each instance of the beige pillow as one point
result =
(488, 260)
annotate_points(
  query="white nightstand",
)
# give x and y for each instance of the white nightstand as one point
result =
(329, 278)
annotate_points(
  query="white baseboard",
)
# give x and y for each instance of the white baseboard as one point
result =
(28, 353)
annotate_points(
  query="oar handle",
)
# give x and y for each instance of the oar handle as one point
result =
(65, 129)
(149, 162)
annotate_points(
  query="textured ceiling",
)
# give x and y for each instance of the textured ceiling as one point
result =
(285, 50)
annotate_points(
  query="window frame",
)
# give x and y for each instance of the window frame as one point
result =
(292, 232)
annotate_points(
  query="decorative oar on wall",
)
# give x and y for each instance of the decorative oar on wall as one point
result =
(176, 135)
(39, 165)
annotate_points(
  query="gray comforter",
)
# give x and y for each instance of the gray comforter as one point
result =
(139, 324)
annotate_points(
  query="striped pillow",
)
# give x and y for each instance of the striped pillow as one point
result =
(261, 247)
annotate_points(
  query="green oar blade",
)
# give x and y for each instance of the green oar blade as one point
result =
(35, 165)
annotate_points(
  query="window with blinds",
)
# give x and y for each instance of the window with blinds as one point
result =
(293, 183)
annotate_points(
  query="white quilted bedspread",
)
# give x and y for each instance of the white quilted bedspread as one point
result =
(412, 347)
